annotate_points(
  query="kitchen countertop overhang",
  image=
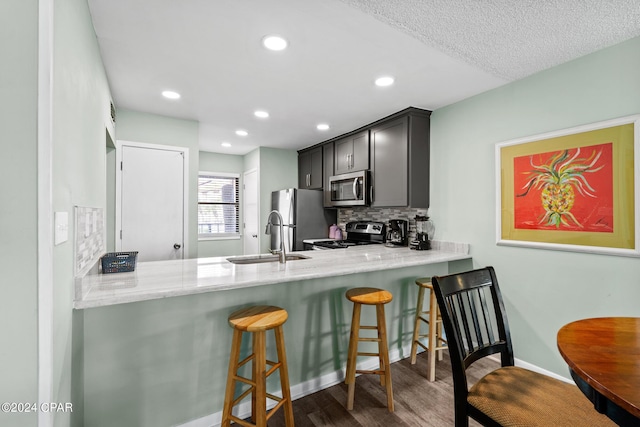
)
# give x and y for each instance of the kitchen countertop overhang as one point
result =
(162, 279)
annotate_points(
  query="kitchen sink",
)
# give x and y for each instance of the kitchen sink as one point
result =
(262, 258)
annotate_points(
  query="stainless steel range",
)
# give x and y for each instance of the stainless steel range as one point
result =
(358, 233)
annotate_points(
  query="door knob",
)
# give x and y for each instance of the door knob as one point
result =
(254, 235)
(177, 246)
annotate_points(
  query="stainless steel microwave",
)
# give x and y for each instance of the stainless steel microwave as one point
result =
(350, 189)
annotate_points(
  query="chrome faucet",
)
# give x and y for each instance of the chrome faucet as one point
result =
(282, 255)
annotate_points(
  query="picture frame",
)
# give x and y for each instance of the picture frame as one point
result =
(575, 189)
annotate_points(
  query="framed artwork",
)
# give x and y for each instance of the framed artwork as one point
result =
(576, 189)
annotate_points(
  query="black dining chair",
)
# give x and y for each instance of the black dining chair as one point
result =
(476, 326)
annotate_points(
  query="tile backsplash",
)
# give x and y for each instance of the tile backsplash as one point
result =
(89, 233)
(380, 214)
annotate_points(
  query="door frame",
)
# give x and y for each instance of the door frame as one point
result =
(185, 189)
(244, 210)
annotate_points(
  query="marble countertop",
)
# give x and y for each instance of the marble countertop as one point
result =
(162, 279)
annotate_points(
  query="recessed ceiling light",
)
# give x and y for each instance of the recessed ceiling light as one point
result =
(171, 94)
(226, 144)
(274, 43)
(261, 114)
(384, 81)
(323, 126)
(241, 132)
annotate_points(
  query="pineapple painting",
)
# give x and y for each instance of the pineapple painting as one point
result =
(568, 190)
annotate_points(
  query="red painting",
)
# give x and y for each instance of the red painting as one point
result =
(569, 190)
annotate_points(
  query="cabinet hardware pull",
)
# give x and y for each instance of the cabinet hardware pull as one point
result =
(355, 188)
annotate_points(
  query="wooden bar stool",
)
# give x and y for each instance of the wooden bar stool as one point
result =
(377, 297)
(436, 342)
(257, 320)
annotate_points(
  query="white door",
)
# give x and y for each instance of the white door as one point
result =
(152, 193)
(251, 232)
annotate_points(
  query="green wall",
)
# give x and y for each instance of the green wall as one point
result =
(543, 289)
(278, 170)
(18, 210)
(177, 349)
(135, 126)
(172, 354)
(80, 103)
(227, 163)
(81, 121)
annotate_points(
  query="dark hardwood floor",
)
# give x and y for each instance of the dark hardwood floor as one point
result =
(417, 401)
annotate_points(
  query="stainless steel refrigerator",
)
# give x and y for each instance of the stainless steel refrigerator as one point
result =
(304, 217)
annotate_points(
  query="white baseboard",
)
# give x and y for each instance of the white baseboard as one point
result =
(300, 390)
(327, 380)
(534, 368)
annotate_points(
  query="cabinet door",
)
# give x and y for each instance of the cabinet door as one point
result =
(389, 168)
(352, 153)
(310, 169)
(342, 156)
(315, 173)
(327, 159)
(304, 169)
(360, 155)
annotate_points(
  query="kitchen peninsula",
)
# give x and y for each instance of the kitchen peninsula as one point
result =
(156, 341)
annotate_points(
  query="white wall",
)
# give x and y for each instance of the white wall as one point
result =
(543, 289)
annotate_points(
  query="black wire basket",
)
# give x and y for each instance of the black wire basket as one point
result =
(119, 262)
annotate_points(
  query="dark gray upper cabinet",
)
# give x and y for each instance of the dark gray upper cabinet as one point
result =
(310, 169)
(352, 153)
(327, 157)
(395, 149)
(400, 161)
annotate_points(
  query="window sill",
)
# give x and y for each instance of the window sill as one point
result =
(222, 237)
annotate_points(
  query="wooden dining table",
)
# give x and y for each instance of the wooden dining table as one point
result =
(603, 355)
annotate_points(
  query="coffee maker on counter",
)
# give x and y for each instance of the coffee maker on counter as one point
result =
(398, 232)
(424, 233)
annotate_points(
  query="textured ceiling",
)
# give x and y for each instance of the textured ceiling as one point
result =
(439, 51)
(511, 39)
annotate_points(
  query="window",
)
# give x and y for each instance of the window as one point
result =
(218, 204)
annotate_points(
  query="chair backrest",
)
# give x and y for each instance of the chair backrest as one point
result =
(474, 320)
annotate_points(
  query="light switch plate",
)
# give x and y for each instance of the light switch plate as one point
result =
(61, 226)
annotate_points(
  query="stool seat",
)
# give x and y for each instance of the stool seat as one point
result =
(424, 282)
(258, 318)
(369, 296)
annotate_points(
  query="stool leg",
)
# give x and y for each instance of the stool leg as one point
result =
(438, 338)
(416, 326)
(284, 377)
(381, 360)
(384, 352)
(350, 379)
(259, 398)
(233, 368)
(433, 340)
